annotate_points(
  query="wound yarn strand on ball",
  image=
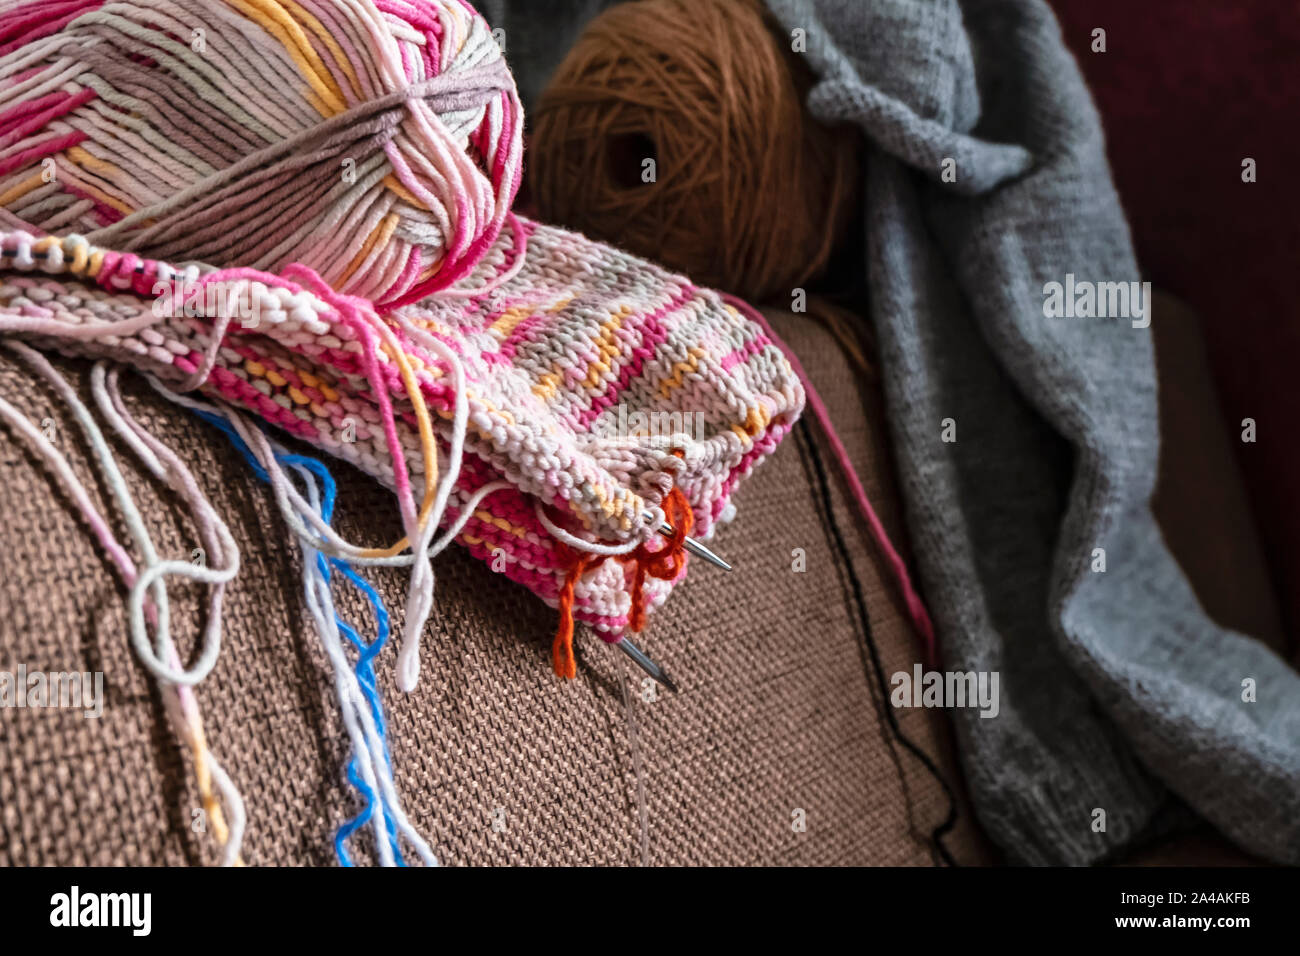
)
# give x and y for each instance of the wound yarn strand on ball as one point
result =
(378, 143)
(745, 191)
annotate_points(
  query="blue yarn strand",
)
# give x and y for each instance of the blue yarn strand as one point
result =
(367, 652)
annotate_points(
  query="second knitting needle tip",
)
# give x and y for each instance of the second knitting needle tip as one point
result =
(642, 661)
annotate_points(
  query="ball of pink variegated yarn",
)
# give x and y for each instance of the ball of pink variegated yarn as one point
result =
(377, 141)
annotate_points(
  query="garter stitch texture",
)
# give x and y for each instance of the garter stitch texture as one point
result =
(581, 329)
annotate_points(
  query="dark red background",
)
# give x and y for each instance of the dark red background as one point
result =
(1187, 89)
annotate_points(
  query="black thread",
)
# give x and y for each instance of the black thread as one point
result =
(842, 548)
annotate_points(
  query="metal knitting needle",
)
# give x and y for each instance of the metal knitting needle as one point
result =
(650, 667)
(695, 548)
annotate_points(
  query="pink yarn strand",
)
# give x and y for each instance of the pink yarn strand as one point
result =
(915, 606)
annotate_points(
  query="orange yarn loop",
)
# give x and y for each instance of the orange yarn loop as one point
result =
(562, 659)
(665, 563)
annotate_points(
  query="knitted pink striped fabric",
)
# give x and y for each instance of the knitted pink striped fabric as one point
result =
(577, 330)
(329, 162)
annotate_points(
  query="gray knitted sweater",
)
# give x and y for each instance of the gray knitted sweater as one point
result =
(1115, 686)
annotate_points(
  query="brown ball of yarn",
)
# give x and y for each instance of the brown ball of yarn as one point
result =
(749, 193)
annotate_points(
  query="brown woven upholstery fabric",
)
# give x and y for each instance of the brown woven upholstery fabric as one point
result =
(777, 712)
